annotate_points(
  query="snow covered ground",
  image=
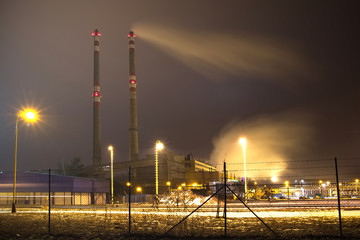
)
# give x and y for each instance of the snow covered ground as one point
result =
(105, 223)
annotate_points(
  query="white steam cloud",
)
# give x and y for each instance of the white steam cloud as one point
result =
(214, 54)
(269, 143)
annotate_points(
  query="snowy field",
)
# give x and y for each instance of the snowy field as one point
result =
(105, 223)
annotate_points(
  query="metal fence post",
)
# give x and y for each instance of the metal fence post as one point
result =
(225, 198)
(129, 199)
(338, 197)
(49, 202)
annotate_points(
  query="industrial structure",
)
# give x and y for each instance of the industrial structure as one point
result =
(133, 129)
(96, 103)
(172, 169)
(33, 189)
(177, 170)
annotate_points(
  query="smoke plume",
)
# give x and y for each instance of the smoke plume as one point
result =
(216, 54)
(270, 141)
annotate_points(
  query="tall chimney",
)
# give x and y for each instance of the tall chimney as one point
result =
(133, 130)
(96, 103)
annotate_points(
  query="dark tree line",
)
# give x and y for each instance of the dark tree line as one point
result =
(75, 168)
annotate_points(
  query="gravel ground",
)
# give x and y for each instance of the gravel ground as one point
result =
(34, 225)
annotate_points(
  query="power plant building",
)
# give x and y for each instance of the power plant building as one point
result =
(176, 169)
(179, 170)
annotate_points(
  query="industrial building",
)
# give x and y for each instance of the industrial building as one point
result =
(33, 189)
(174, 171)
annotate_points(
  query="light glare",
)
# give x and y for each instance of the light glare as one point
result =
(242, 141)
(29, 115)
(159, 145)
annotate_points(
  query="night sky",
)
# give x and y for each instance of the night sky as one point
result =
(284, 74)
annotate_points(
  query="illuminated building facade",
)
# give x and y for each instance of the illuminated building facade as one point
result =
(179, 170)
(33, 189)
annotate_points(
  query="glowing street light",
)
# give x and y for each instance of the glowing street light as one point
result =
(111, 149)
(139, 189)
(242, 141)
(158, 147)
(28, 115)
(287, 185)
(168, 183)
(274, 179)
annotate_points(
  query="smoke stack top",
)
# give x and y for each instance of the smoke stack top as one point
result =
(131, 34)
(96, 33)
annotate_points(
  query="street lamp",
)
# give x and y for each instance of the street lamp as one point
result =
(168, 183)
(159, 146)
(274, 179)
(287, 185)
(111, 149)
(340, 193)
(320, 183)
(29, 115)
(302, 188)
(242, 141)
(139, 189)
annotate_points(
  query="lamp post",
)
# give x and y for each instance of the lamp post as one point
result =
(340, 190)
(242, 141)
(356, 183)
(288, 191)
(320, 183)
(168, 183)
(28, 115)
(111, 149)
(158, 146)
(139, 189)
(302, 188)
